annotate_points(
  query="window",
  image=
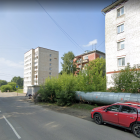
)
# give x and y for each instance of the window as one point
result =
(127, 109)
(121, 61)
(101, 56)
(50, 64)
(120, 28)
(120, 45)
(86, 57)
(50, 59)
(50, 73)
(50, 68)
(114, 108)
(50, 55)
(120, 11)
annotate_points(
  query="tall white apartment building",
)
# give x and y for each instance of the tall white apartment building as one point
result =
(39, 64)
(122, 36)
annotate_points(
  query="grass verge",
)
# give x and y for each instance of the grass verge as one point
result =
(20, 90)
(83, 106)
(74, 106)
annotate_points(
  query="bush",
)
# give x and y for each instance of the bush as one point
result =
(5, 88)
(65, 98)
(13, 85)
(47, 91)
(65, 92)
(62, 89)
(128, 80)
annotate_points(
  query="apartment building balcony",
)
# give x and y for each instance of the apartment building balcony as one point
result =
(85, 61)
(35, 79)
(36, 64)
(36, 60)
(27, 80)
(82, 61)
(35, 68)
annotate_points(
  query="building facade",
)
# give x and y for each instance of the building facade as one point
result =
(39, 64)
(122, 36)
(83, 59)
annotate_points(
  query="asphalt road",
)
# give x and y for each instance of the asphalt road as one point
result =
(26, 121)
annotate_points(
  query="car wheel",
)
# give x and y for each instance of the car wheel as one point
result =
(98, 119)
(136, 130)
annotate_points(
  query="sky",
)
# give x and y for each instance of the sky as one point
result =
(62, 25)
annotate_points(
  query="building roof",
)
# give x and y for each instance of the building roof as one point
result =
(42, 48)
(113, 5)
(90, 53)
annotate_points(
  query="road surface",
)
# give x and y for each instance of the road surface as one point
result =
(26, 121)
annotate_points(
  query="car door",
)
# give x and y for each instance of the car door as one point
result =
(127, 115)
(111, 114)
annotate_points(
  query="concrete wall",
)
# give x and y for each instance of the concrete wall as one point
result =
(44, 64)
(131, 36)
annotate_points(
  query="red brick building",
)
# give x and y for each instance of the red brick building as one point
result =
(83, 59)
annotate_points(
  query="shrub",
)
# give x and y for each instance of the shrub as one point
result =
(65, 93)
(128, 80)
(4, 88)
(60, 90)
(13, 85)
(65, 98)
(47, 91)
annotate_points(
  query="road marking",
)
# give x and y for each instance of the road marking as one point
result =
(18, 136)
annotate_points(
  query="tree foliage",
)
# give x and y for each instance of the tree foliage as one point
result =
(13, 85)
(18, 80)
(128, 80)
(62, 89)
(59, 90)
(3, 82)
(68, 66)
(93, 78)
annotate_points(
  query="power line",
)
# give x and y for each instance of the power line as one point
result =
(100, 44)
(67, 35)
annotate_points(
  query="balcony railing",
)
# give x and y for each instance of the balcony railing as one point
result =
(82, 61)
(85, 61)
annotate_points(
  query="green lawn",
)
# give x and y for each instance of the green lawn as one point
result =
(20, 90)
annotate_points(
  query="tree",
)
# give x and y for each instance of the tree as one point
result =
(18, 80)
(68, 66)
(3, 82)
(96, 76)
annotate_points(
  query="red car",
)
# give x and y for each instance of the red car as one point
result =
(126, 115)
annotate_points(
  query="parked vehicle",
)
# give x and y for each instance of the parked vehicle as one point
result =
(126, 115)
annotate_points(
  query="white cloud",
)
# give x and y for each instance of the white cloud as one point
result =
(9, 63)
(91, 43)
